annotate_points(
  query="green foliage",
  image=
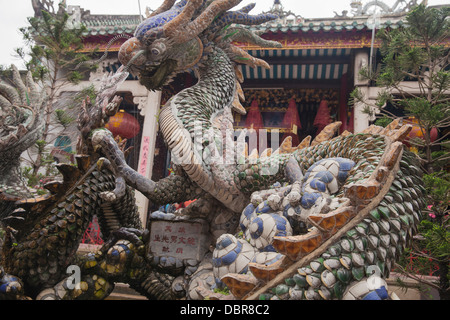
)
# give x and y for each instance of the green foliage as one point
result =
(436, 239)
(411, 53)
(417, 264)
(35, 181)
(437, 186)
(86, 92)
(62, 118)
(431, 114)
(40, 145)
(75, 77)
(355, 96)
(53, 50)
(5, 72)
(383, 122)
(224, 291)
(416, 52)
(54, 44)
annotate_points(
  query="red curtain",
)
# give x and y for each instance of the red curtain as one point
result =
(290, 119)
(254, 117)
(323, 117)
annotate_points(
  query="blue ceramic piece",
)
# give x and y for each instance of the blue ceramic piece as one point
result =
(346, 164)
(307, 175)
(309, 199)
(342, 176)
(318, 185)
(248, 211)
(372, 296)
(382, 293)
(269, 248)
(259, 222)
(378, 294)
(269, 261)
(263, 208)
(276, 185)
(225, 242)
(158, 20)
(285, 210)
(280, 222)
(229, 258)
(324, 176)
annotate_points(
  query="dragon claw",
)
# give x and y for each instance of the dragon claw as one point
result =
(11, 287)
(108, 196)
(132, 235)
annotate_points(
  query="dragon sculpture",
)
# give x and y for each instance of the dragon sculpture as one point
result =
(324, 220)
(399, 6)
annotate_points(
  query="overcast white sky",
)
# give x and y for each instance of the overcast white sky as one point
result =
(13, 14)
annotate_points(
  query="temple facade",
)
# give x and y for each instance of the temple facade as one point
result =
(307, 86)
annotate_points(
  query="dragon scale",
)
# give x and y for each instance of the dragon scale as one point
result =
(45, 249)
(368, 232)
(200, 105)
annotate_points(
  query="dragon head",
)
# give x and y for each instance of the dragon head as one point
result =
(176, 36)
(96, 115)
(21, 112)
(157, 51)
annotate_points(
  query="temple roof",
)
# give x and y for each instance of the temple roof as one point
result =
(330, 24)
(117, 24)
(289, 22)
(98, 24)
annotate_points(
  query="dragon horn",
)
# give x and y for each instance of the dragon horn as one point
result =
(248, 8)
(21, 88)
(187, 30)
(171, 28)
(167, 4)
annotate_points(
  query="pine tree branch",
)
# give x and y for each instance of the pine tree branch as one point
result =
(416, 277)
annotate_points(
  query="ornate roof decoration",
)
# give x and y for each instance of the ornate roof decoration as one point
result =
(392, 17)
(400, 6)
(111, 25)
(47, 5)
(285, 17)
(104, 25)
(102, 28)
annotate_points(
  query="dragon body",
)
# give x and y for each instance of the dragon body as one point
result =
(43, 232)
(21, 116)
(317, 220)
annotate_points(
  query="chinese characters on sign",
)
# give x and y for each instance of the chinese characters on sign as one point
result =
(144, 157)
(176, 239)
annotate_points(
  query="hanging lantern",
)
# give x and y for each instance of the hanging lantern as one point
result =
(417, 132)
(254, 118)
(124, 125)
(291, 121)
(323, 117)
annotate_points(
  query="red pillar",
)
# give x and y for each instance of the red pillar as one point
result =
(343, 103)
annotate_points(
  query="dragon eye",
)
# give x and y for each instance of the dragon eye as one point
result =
(158, 49)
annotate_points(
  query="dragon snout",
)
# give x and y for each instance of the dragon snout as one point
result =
(131, 52)
(97, 138)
